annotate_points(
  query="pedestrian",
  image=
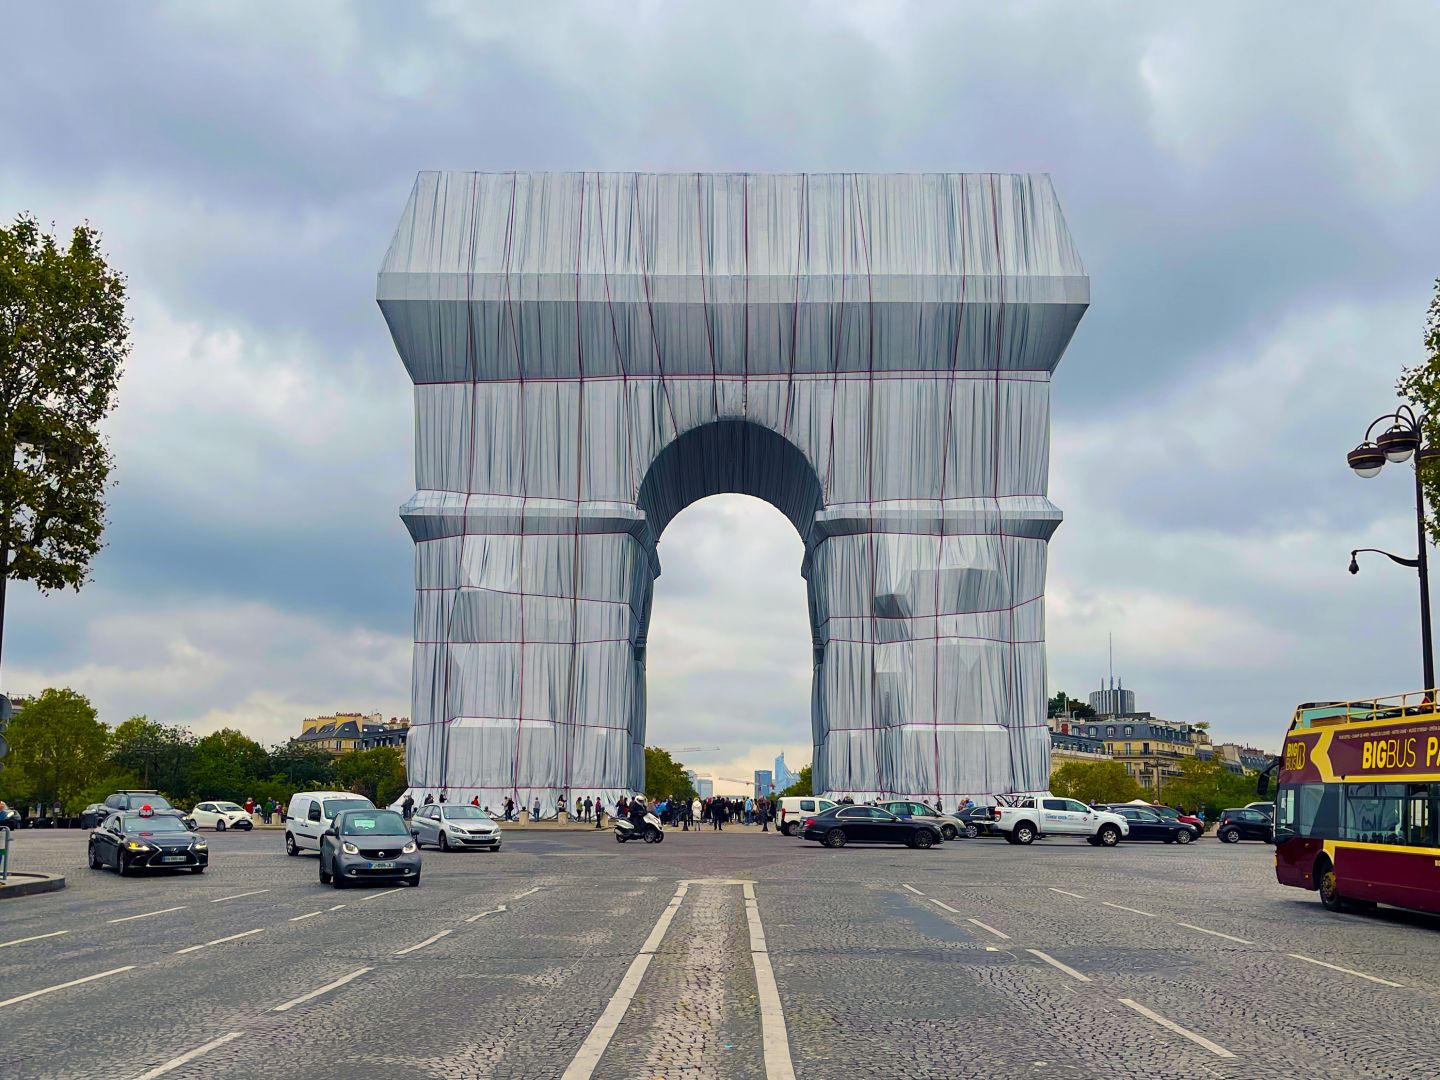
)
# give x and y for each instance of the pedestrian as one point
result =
(535, 814)
(408, 806)
(475, 801)
(509, 807)
(763, 811)
(429, 798)
(585, 814)
(599, 811)
(560, 807)
(442, 794)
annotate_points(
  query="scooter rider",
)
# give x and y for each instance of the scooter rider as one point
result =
(638, 810)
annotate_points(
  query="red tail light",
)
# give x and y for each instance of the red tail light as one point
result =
(808, 822)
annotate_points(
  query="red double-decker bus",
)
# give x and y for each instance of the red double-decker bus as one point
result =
(1357, 809)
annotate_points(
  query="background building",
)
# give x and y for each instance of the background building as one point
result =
(344, 732)
(1151, 749)
(784, 775)
(1113, 700)
(1067, 746)
(765, 785)
(705, 787)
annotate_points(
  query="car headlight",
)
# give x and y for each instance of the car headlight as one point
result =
(408, 848)
(136, 845)
(349, 848)
(201, 845)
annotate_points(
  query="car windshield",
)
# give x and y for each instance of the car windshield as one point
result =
(466, 813)
(227, 807)
(334, 806)
(159, 802)
(373, 823)
(143, 824)
(1166, 812)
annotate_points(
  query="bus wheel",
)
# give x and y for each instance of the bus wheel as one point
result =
(1329, 887)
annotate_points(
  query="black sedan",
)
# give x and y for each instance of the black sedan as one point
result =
(144, 840)
(977, 821)
(843, 825)
(1146, 824)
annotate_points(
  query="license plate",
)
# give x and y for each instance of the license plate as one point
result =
(172, 858)
(382, 866)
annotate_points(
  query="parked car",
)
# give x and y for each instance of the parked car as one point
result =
(131, 799)
(843, 825)
(1146, 823)
(450, 827)
(1266, 808)
(792, 811)
(310, 813)
(1027, 817)
(368, 845)
(146, 839)
(1244, 824)
(1171, 814)
(220, 815)
(950, 827)
(976, 821)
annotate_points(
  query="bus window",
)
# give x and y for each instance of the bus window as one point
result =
(1373, 813)
(1317, 810)
(1422, 815)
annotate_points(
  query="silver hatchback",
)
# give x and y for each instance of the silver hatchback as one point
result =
(455, 827)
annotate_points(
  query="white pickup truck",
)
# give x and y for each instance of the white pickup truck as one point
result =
(1025, 817)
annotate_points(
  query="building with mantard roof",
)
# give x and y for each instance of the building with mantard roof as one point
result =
(344, 732)
(1237, 758)
(1152, 750)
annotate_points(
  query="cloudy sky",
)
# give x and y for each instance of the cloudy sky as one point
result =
(1255, 190)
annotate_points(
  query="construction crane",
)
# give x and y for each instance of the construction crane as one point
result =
(696, 750)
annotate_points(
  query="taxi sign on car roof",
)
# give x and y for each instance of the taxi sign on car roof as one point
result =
(147, 810)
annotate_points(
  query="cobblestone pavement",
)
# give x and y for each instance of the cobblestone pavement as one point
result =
(565, 951)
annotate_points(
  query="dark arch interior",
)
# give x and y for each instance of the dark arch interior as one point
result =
(731, 456)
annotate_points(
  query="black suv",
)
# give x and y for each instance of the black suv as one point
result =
(95, 813)
(1239, 824)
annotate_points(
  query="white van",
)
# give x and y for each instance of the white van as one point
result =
(310, 814)
(792, 811)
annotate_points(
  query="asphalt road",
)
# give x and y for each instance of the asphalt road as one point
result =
(713, 955)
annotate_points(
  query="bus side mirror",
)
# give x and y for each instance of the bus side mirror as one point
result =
(1262, 786)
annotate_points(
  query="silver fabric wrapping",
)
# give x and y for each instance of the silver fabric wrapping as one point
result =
(593, 352)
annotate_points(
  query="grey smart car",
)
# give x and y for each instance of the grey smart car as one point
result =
(368, 845)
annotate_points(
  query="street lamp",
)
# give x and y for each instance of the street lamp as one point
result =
(1398, 443)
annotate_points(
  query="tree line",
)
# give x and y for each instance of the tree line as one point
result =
(1206, 785)
(62, 752)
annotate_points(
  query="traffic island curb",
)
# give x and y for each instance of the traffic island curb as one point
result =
(26, 884)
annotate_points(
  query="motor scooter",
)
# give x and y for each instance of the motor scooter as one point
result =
(652, 833)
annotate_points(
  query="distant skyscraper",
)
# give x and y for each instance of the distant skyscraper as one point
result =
(705, 787)
(783, 776)
(764, 783)
(1113, 700)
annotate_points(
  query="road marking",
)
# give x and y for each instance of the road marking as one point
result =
(175, 1063)
(427, 941)
(132, 918)
(1067, 892)
(1199, 1040)
(337, 907)
(377, 895)
(238, 895)
(37, 937)
(312, 914)
(1217, 933)
(526, 893)
(481, 915)
(912, 888)
(1002, 936)
(940, 904)
(1347, 971)
(219, 941)
(582, 1067)
(321, 990)
(1135, 910)
(64, 985)
(774, 1038)
(1066, 968)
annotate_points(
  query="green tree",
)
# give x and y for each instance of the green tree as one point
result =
(801, 786)
(378, 773)
(1209, 785)
(665, 777)
(298, 767)
(1420, 387)
(158, 755)
(226, 765)
(58, 748)
(63, 337)
(1094, 781)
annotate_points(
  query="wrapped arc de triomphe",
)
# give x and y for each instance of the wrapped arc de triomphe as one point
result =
(592, 352)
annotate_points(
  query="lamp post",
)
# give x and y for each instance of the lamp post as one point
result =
(1396, 445)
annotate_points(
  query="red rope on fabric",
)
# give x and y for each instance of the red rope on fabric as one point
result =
(524, 478)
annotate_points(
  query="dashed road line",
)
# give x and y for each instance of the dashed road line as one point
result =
(1133, 910)
(480, 915)
(1216, 933)
(377, 895)
(998, 933)
(311, 915)
(132, 918)
(1199, 1040)
(942, 904)
(37, 937)
(189, 1056)
(526, 893)
(218, 941)
(775, 1040)
(427, 941)
(65, 985)
(1067, 892)
(337, 907)
(321, 990)
(238, 895)
(912, 888)
(1066, 968)
(1347, 971)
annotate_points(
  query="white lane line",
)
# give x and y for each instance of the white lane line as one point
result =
(1134, 910)
(218, 941)
(1000, 934)
(582, 1067)
(311, 915)
(1199, 1040)
(64, 985)
(238, 895)
(321, 990)
(527, 892)
(1347, 971)
(1216, 933)
(377, 895)
(941, 904)
(37, 937)
(775, 1041)
(912, 888)
(421, 945)
(191, 1055)
(482, 914)
(1067, 892)
(132, 918)
(1066, 968)
(337, 907)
